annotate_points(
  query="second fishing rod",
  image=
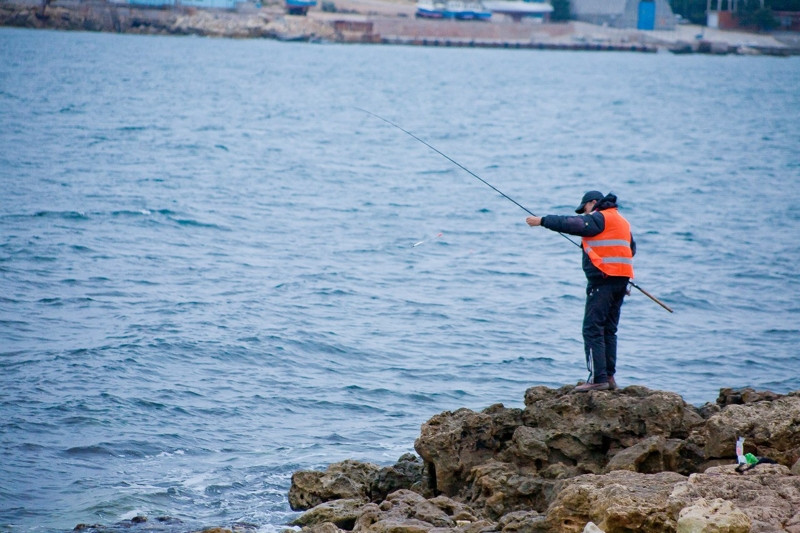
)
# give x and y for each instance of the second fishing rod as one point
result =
(501, 193)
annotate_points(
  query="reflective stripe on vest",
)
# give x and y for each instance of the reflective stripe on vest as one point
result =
(610, 250)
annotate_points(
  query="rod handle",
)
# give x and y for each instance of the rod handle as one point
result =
(656, 300)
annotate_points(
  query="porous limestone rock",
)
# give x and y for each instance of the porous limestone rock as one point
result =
(505, 457)
(341, 513)
(454, 442)
(616, 502)
(768, 494)
(715, 516)
(771, 429)
(649, 456)
(344, 480)
(405, 511)
(617, 459)
(521, 522)
(407, 473)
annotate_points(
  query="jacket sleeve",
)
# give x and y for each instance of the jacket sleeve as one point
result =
(581, 226)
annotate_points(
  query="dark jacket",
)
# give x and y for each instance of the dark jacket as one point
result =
(588, 226)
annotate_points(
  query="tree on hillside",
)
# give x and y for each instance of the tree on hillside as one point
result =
(751, 13)
(561, 10)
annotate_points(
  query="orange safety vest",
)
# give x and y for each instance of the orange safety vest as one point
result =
(610, 250)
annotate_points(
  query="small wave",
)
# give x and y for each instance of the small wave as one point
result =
(196, 223)
(67, 215)
(70, 109)
(129, 213)
(90, 450)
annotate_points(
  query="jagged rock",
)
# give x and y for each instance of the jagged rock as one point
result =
(412, 505)
(325, 527)
(522, 522)
(617, 502)
(407, 473)
(499, 488)
(407, 511)
(453, 442)
(558, 435)
(649, 456)
(615, 459)
(768, 494)
(341, 513)
(771, 429)
(344, 480)
(715, 516)
(730, 396)
(609, 419)
(459, 512)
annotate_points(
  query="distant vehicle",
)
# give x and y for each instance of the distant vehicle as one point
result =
(299, 7)
(452, 9)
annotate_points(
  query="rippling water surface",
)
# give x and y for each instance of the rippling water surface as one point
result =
(208, 270)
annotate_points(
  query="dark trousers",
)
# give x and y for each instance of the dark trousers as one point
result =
(600, 320)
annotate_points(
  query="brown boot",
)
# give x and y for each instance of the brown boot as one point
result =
(586, 387)
(612, 384)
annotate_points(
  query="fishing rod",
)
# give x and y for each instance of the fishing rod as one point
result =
(501, 193)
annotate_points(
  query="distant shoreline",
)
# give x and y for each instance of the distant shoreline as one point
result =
(390, 24)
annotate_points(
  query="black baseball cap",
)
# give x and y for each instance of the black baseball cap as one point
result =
(588, 197)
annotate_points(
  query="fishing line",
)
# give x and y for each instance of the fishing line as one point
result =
(507, 197)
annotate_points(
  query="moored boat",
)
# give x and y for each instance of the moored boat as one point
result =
(432, 9)
(517, 9)
(452, 9)
(299, 7)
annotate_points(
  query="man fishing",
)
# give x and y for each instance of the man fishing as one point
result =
(608, 250)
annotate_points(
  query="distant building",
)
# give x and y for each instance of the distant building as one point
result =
(641, 14)
(788, 20)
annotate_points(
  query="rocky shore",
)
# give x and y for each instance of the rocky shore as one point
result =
(380, 22)
(623, 461)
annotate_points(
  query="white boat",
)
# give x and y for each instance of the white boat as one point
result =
(432, 9)
(453, 9)
(519, 8)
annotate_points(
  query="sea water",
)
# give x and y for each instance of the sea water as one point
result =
(209, 273)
